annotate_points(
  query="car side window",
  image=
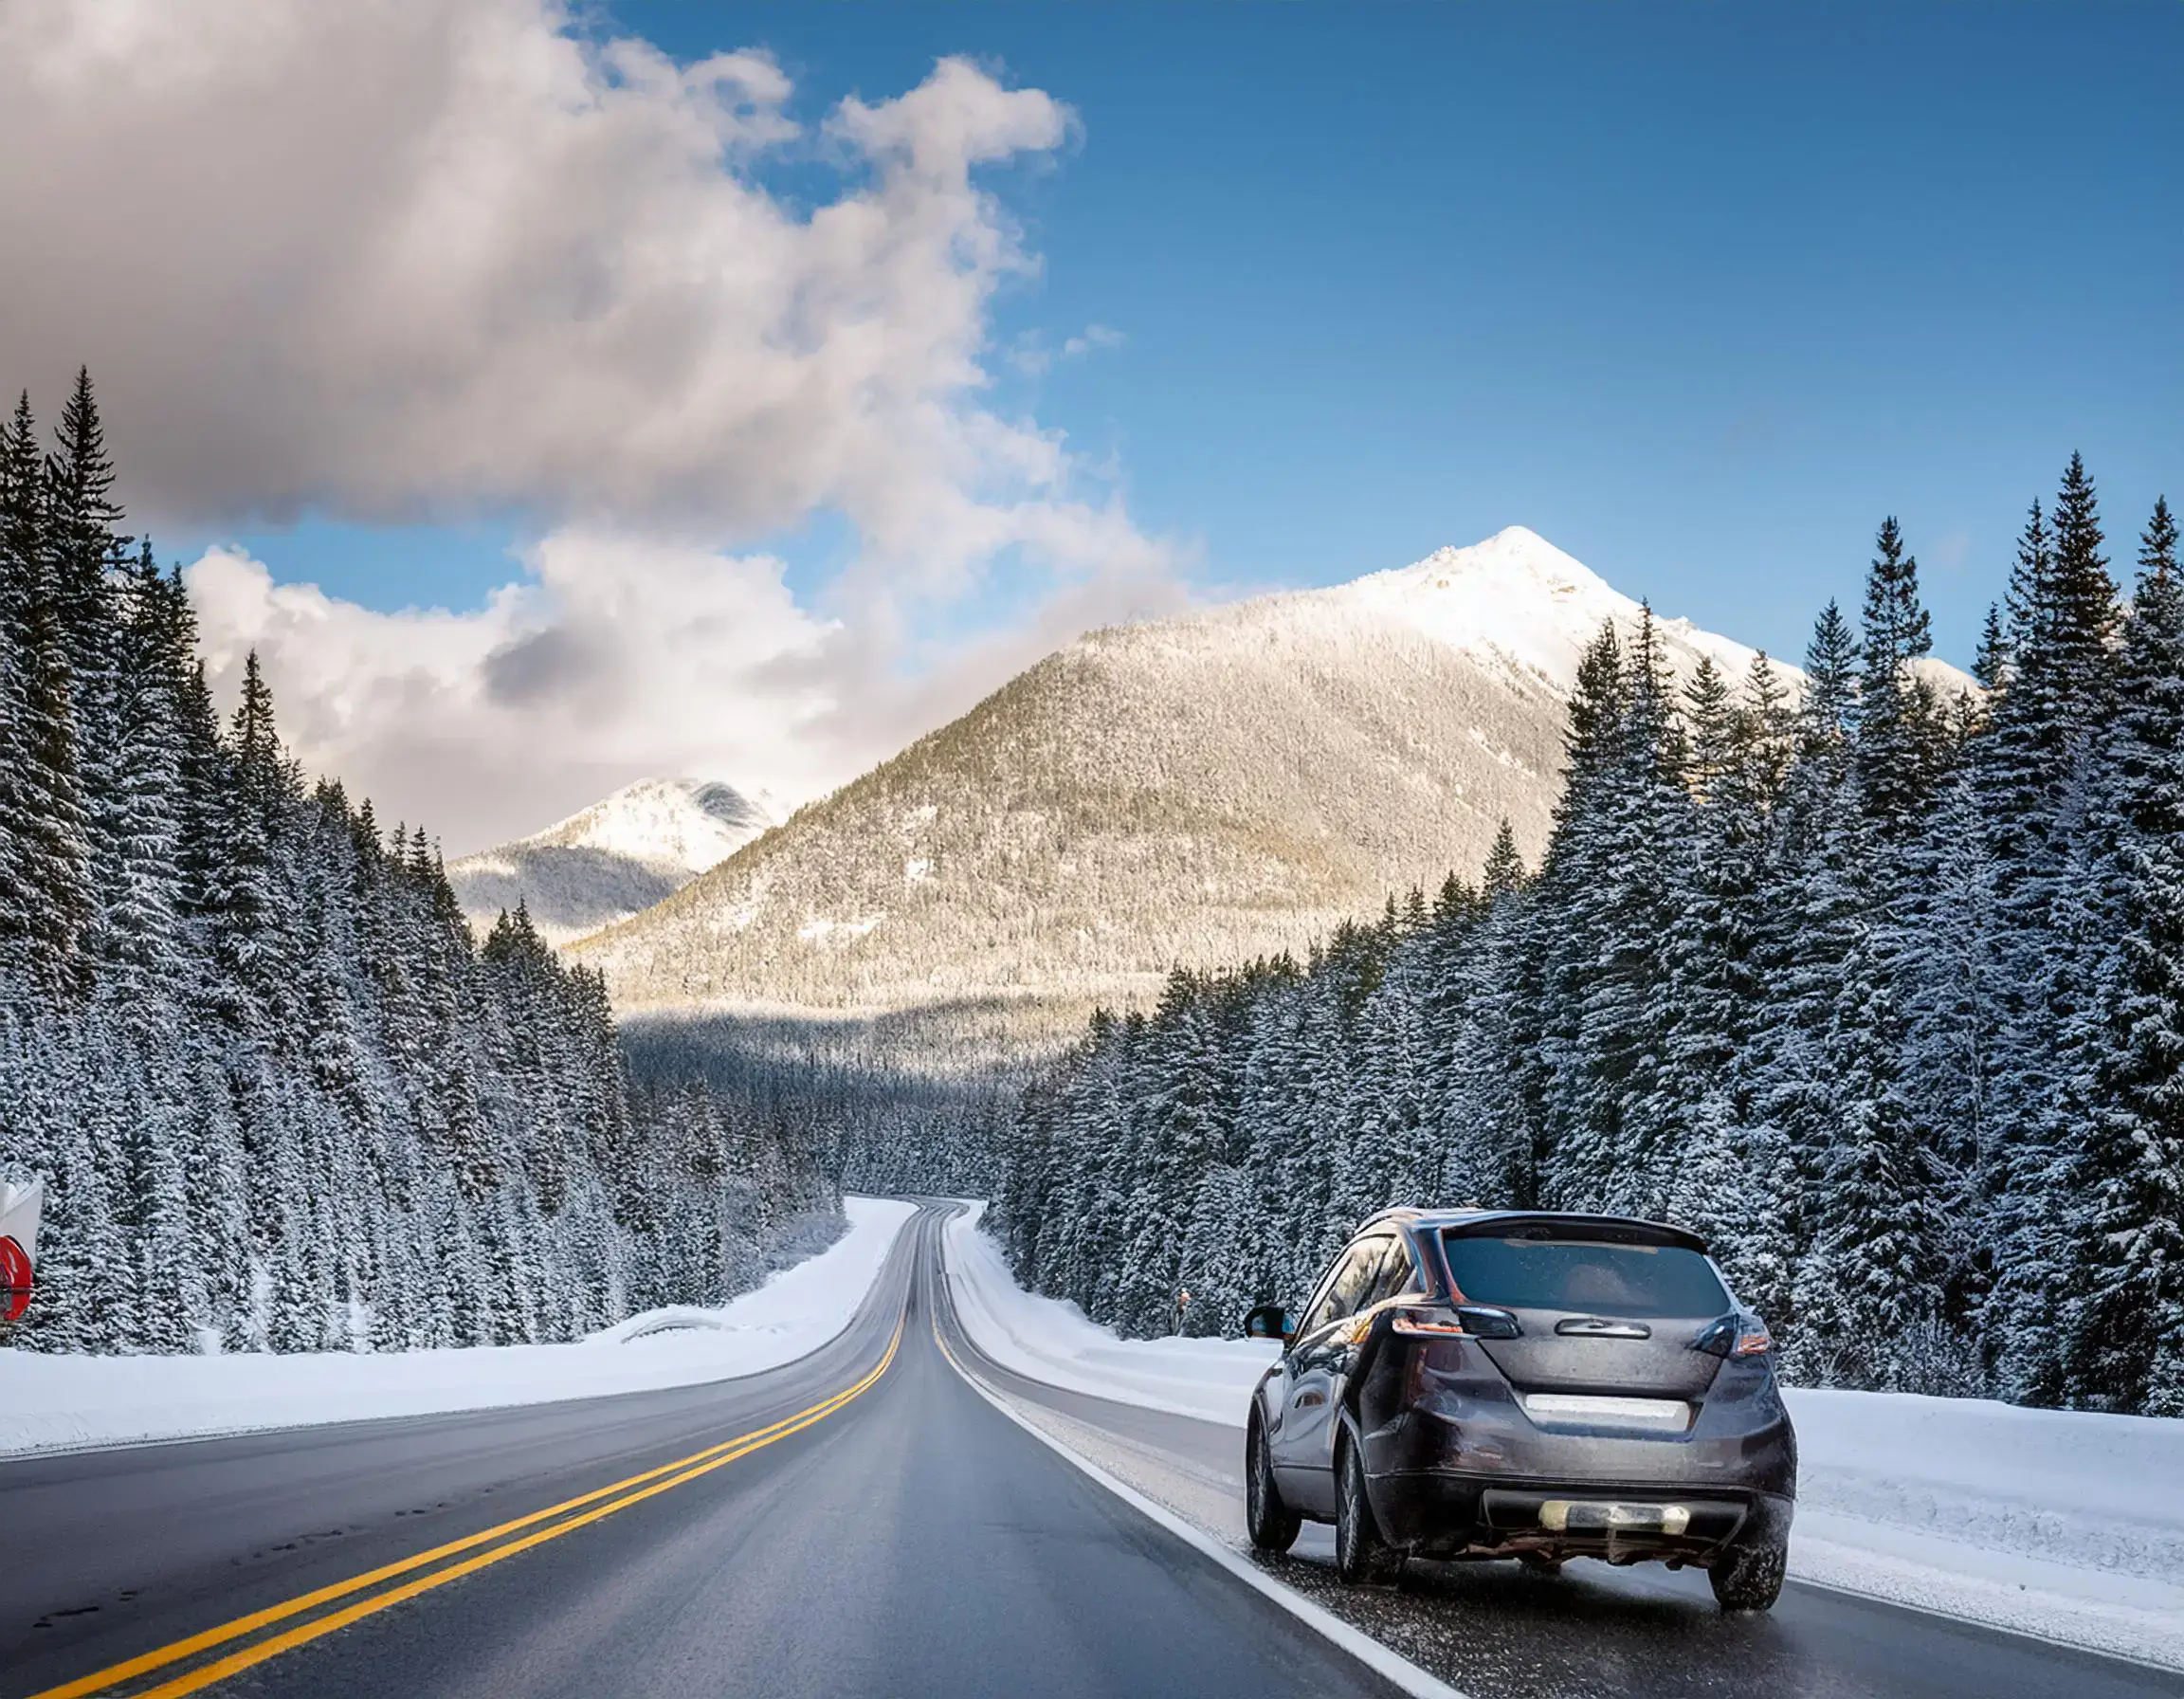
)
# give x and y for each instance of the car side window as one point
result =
(1316, 1306)
(1321, 1309)
(1346, 1290)
(1395, 1276)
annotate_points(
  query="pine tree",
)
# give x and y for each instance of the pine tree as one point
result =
(2039, 770)
(1504, 871)
(1990, 663)
(2124, 1343)
(1610, 1152)
(21, 557)
(1805, 931)
(1896, 715)
(81, 540)
(1867, 1295)
(57, 824)
(137, 932)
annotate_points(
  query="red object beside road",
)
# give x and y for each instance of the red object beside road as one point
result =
(14, 1280)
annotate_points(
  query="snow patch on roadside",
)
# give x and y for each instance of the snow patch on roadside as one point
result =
(52, 1402)
(1051, 1341)
(2043, 1522)
(2096, 1491)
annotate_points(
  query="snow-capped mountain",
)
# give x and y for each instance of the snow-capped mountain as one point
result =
(1198, 790)
(1516, 601)
(604, 862)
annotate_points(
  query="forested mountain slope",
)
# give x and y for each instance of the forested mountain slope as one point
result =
(1884, 993)
(605, 862)
(1193, 790)
(278, 1097)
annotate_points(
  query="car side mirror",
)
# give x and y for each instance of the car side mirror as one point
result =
(1270, 1321)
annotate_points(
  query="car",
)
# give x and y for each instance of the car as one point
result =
(1520, 1383)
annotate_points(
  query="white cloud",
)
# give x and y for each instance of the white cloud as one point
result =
(1031, 355)
(615, 657)
(1091, 337)
(401, 260)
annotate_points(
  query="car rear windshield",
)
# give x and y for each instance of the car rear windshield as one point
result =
(1584, 1277)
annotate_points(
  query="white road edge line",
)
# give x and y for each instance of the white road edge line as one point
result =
(1383, 1662)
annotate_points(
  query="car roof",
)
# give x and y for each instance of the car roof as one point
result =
(1484, 1221)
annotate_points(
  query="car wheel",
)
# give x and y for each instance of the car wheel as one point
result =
(1749, 1577)
(1271, 1524)
(1362, 1551)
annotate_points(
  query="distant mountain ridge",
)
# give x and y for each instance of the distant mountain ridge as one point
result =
(607, 862)
(1200, 790)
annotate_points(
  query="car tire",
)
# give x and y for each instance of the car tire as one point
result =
(1271, 1524)
(1748, 1576)
(1363, 1553)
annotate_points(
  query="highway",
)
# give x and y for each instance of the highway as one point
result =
(860, 1522)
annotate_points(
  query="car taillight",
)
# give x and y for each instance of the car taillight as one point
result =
(1736, 1336)
(1481, 1320)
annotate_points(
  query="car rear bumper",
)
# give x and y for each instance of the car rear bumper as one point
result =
(1473, 1426)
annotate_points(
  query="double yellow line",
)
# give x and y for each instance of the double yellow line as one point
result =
(488, 1547)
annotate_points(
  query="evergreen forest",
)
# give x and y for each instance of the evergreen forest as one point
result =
(1876, 981)
(278, 1097)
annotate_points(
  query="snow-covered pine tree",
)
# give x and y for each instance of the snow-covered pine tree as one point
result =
(1571, 921)
(1898, 732)
(137, 936)
(1718, 1177)
(20, 494)
(2040, 761)
(1811, 919)
(1635, 1131)
(2123, 1344)
(46, 902)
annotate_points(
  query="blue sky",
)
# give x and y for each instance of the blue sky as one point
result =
(1698, 292)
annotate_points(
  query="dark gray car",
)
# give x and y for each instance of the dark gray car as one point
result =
(1519, 1384)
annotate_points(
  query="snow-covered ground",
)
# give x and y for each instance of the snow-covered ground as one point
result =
(50, 1401)
(2052, 1523)
(1051, 1341)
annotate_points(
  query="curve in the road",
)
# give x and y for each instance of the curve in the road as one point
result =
(894, 1535)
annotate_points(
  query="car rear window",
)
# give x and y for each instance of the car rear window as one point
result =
(1584, 1277)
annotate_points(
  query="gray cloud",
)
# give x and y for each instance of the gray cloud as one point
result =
(554, 664)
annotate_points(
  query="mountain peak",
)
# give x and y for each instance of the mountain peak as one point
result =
(689, 823)
(1515, 554)
(604, 862)
(1517, 599)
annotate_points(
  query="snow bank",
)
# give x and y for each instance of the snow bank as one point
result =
(1048, 1339)
(2058, 1524)
(48, 1401)
(2101, 1492)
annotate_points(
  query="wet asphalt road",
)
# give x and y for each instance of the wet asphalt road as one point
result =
(908, 1541)
(912, 1540)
